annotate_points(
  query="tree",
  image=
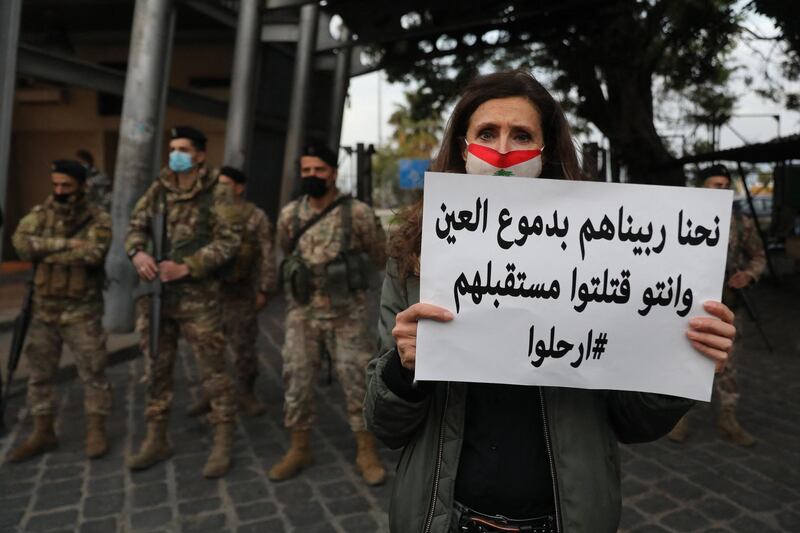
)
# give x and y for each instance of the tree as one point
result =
(786, 16)
(415, 135)
(607, 61)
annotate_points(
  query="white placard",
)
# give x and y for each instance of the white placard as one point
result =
(573, 284)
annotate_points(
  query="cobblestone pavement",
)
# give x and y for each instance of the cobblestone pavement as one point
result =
(705, 484)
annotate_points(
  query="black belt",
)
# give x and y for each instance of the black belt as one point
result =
(472, 521)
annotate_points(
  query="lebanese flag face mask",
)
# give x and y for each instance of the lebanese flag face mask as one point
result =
(487, 161)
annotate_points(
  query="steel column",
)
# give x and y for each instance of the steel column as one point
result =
(301, 89)
(241, 103)
(139, 139)
(341, 81)
(9, 38)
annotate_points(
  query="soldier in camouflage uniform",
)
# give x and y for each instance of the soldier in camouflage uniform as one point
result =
(247, 282)
(98, 184)
(745, 264)
(323, 277)
(200, 237)
(66, 238)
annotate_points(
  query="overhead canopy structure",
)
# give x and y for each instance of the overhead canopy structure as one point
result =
(782, 149)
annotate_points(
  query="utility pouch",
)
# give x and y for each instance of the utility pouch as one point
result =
(336, 281)
(41, 278)
(78, 282)
(358, 265)
(296, 279)
(59, 278)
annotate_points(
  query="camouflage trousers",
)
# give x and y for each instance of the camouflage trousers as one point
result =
(241, 331)
(86, 339)
(725, 386)
(202, 330)
(346, 339)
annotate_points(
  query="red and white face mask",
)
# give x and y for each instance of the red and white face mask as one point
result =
(487, 161)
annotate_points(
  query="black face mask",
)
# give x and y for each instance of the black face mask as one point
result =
(314, 186)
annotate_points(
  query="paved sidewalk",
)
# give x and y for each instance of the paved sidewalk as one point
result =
(705, 484)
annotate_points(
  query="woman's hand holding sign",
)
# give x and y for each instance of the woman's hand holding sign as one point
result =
(405, 329)
(713, 336)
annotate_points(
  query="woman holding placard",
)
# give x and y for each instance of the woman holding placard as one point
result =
(484, 457)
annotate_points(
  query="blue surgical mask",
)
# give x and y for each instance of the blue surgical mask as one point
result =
(180, 161)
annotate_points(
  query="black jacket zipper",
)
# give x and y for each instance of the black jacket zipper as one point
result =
(438, 471)
(552, 462)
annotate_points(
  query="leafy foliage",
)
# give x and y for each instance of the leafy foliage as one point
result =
(415, 135)
(604, 62)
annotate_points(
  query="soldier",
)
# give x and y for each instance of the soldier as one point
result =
(66, 238)
(98, 184)
(247, 281)
(329, 240)
(746, 262)
(201, 237)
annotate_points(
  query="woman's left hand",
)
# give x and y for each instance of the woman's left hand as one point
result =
(713, 336)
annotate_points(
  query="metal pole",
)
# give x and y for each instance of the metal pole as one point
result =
(240, 107)
(361, 192)
(755, 220)
(140, 133)
(301, 88)
(9, 38)
(341, 81)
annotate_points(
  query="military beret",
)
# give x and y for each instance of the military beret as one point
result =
(233, 173)
(715, 170)
(70, 167)
(317, 149)
(197, 137)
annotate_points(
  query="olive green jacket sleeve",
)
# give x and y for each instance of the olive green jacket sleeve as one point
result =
(96, 239)
(29, 245)
(393, 415)
(227, 236)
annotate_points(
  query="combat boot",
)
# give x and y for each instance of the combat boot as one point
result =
(199, 407)
(731, 430)
(41, 440)
(154, 449)
(680, 431)
(96, 442)
(219, 460)
(297, 457)
(367, 460)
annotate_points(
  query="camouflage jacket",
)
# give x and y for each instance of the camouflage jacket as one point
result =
(65, 276)
(98, 189)
(745, 251)
(322, 243)
(253, 267)
(201, 230)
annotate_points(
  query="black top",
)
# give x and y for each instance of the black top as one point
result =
(504, 468)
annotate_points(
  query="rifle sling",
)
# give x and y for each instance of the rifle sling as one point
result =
(316, 218)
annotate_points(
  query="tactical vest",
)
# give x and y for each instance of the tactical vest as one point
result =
(53, 280)
(178, 250)
(239, 269)
(346, 273)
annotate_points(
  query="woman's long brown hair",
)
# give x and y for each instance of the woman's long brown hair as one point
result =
(560, 161)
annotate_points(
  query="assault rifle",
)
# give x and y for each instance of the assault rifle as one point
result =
(159, 228)
(21, 323)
